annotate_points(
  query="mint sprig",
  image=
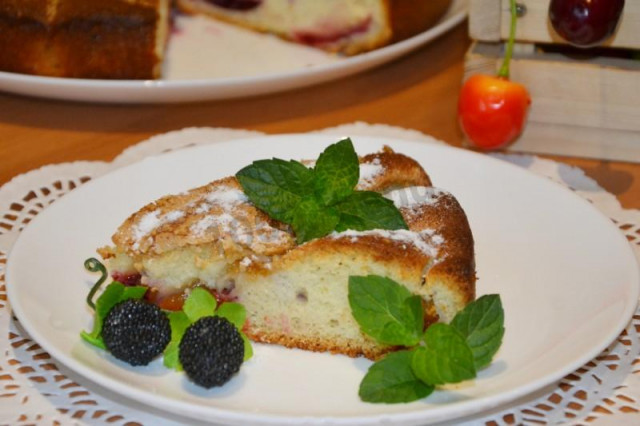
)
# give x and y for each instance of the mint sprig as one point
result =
(444, 353)
(317, 201)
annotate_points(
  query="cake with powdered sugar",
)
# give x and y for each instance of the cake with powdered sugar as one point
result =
(296, 294)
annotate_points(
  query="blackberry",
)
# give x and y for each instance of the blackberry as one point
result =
(135, 331)
(211, 351)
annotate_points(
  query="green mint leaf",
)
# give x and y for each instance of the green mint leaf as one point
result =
(276, 186)
(365, 210)
(392, 380)
(311, 220)
(336, 172)
(171, 356)
(482, 324)
(234, 312)
(133, 292)
(248, 349)
(385, 310)
(95, 341)
(446, 358)
(108, 299)
(200, 303)
(179, 322)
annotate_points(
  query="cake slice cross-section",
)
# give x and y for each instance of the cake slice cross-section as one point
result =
(296, 294)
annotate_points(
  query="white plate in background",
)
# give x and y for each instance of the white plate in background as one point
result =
(205, 62)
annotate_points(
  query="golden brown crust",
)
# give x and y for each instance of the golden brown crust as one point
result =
(241, 226)
(456, 253)
(372, 351)
(399, 171)
(261, 234)
(77, 38)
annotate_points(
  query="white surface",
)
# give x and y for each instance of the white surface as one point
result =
(567, 292)
(209, 60)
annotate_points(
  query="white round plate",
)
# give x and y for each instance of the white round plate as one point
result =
(203, 63)
(566, 275)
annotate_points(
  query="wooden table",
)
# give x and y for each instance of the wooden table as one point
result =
(418, 92)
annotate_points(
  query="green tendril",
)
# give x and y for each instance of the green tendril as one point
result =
(504, 69)
(94, 265)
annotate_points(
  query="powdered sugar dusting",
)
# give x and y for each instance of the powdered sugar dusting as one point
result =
(227, 195)
(415, 196)
(151, 221)
(237, 227)
(427, 240)
(223, 196)
(369, 171)
(173, 216)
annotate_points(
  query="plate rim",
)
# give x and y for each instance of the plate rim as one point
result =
(457, 409)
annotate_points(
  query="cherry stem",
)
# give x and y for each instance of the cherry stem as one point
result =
(504, 69)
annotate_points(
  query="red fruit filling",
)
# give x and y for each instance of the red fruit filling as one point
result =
(130, 280)
(317, 38)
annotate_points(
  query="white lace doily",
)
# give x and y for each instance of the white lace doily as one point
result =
(34, 390)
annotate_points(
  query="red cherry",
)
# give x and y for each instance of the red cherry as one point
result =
(585, 23)
(492, 110)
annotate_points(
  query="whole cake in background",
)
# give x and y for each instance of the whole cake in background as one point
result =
(121, 39)
(126, 39)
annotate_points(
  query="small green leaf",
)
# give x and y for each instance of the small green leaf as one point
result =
(108, 299)
(171, 356)
(385, 310)
(95, 341)
(179, 322)
(310, 220)
(248, 349)
(336, 172)
(276, 186)
(365, 210)
(133, 292)
(446, 358)
(391, 380)
(482, 324)
(200, 303)
(234, 312)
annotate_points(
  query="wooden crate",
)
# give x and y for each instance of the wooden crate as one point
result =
(580, 107)
(489, 21)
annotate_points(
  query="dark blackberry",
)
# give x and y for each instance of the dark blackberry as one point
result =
(211, 351)
(135, 331)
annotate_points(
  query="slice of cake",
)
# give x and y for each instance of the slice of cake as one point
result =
(345, 26)
(296, 295)
(123, 39)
